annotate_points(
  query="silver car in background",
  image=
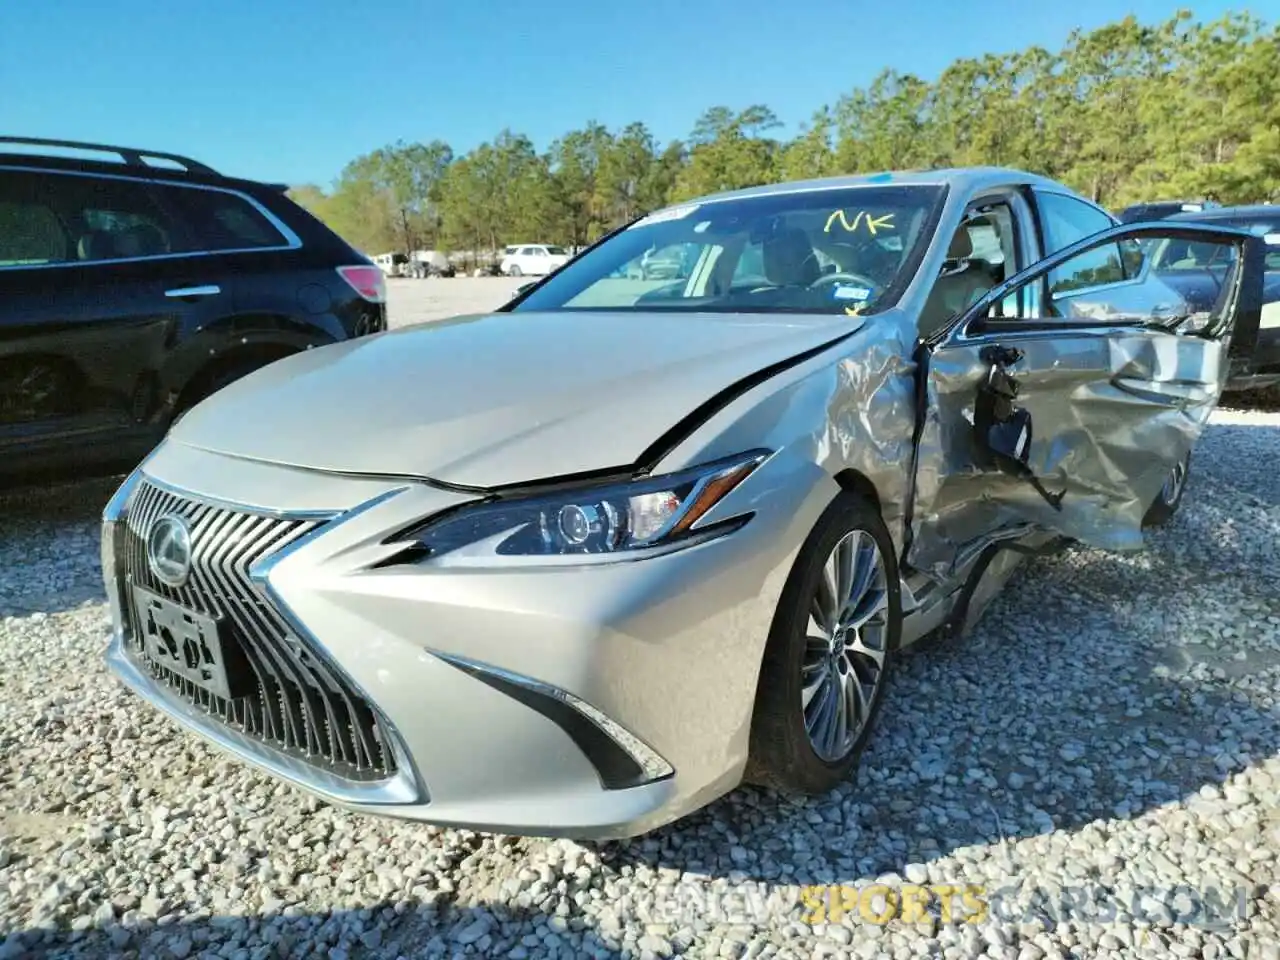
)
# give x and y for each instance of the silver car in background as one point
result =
(582, 565)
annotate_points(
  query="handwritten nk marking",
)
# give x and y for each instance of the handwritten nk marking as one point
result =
(873, 224)
(882, 223)
(844, 221)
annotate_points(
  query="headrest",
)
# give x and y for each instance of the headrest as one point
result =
(961, 245)
(95, 245)
(789, 259)
(143, 240)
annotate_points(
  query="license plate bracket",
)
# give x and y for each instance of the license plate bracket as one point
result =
(190, 644)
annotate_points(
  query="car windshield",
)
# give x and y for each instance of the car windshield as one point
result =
(556, 251)
(851, 249)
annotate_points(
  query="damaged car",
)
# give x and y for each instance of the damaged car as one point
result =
(581, 565)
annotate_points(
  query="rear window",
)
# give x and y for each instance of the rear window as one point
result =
(1270, 232)
(105, 218)
(223, 221)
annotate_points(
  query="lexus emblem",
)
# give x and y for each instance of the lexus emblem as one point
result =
(169, 550)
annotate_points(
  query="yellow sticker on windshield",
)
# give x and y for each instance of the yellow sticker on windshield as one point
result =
(854, 311)
(872, 224)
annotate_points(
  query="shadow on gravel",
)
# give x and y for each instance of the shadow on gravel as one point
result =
(49, 543)
(420, 930)
(915, 805)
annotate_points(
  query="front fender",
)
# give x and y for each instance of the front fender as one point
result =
(847, 411)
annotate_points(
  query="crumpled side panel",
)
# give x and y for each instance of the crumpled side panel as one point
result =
(857, 413)
(871, 417)
(1111, 415)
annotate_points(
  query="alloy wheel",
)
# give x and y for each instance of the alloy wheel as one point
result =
(846, 645)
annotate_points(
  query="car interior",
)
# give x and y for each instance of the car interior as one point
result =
(37, 233)
(976, 263)
(140, 240)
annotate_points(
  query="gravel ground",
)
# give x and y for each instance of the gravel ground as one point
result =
(1111, 728)
(413, 301)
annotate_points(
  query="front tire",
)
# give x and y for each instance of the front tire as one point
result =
(515, 271)
(829, 651)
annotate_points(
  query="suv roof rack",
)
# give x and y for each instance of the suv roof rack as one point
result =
(130, 155)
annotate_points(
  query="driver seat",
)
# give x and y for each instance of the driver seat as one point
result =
(789, 260)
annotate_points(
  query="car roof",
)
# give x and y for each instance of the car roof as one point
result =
(961, 179)
(1167, 203)
(1232, 213)
(112, 168)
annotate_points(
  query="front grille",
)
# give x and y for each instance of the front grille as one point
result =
(301, 706)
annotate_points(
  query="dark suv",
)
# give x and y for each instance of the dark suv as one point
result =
(132, 288)
(1160, 209)
(1196, 273)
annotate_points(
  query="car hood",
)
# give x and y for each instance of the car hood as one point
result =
(496, 399)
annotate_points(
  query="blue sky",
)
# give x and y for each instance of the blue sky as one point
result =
(290, 90)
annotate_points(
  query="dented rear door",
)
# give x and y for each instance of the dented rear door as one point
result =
(1071, 416)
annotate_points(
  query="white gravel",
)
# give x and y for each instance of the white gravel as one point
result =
(1112, 726)
(413, 301)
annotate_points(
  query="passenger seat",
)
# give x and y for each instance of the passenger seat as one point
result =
(963, 281)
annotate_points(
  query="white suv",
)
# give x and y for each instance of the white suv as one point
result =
(533, 259)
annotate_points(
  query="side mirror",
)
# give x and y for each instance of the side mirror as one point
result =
(524, 286)
(1003, 429)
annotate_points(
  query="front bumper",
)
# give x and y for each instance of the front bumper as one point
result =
(589, 701)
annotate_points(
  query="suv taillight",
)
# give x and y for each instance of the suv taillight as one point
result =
(367, 281)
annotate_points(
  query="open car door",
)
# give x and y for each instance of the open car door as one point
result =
(1065, 397)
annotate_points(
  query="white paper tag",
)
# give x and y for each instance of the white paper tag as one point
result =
(842, 292)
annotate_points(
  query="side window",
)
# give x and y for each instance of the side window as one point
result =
(1197, 309)
(218, 220)
(981, 254)
(1269, 231)
(110, 219)
(672, 262)
(750, 265)
(1065, 220)
(30, 231)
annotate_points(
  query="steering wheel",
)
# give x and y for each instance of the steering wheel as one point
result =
(857, 278)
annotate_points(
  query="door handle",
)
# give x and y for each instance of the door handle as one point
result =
(182, 293)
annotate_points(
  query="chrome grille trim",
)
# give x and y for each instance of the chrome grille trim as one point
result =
(303, 707)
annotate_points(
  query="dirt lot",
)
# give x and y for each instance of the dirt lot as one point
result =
(415, 301)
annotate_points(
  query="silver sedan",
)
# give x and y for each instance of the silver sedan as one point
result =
(582, 565)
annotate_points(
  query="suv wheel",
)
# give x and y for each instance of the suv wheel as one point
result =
(216, 379)
(515, 271)
(828, 654)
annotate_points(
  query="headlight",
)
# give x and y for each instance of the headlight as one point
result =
(606, 519)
